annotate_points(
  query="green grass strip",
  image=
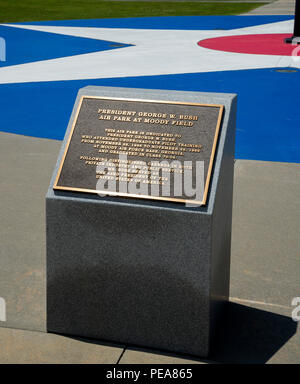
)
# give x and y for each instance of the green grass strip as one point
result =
(38, 10)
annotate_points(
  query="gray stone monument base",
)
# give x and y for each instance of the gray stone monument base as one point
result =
(141, 272)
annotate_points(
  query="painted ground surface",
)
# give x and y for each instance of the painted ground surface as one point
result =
(47, 62)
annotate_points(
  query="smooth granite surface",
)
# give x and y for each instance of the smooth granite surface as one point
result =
(264, 266)
(141, 272)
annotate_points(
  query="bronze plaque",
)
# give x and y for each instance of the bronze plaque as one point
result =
(140, 148)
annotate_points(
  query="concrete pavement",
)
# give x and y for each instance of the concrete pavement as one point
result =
(281, 7)
(264, 269)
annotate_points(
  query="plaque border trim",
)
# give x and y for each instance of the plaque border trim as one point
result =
(131, 195)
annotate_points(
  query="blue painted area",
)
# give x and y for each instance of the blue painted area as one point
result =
(267, 123)
(25, 46)
(170, 22)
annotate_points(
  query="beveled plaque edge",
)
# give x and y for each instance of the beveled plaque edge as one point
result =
(130, 195)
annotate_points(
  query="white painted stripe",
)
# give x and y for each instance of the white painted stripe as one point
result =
(2, 309)
(155, 52)
(238, 300)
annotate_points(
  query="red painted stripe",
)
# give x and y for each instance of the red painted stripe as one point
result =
(265, 44)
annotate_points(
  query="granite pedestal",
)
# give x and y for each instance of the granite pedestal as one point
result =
(142, 272)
